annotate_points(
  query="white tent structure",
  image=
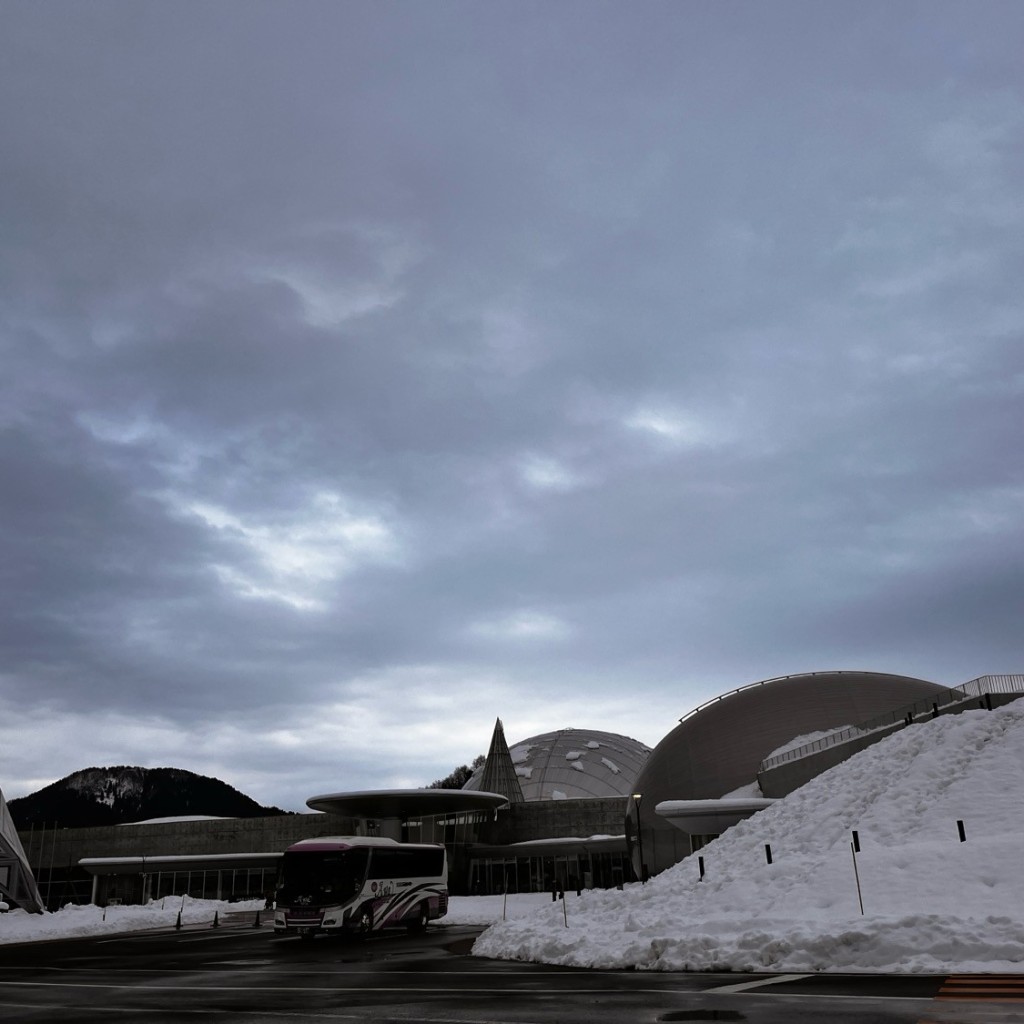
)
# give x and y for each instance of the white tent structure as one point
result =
(16, 879)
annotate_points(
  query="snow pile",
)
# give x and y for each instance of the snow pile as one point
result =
(931, 903)
(76, 921)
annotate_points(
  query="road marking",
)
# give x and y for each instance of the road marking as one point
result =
(242, 963)
(99, 1009)
(983, 988)
(273, 1014)
(747, 986)
(144, 988)
(346, 969)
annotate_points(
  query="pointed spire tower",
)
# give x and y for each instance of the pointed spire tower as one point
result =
(499, 774)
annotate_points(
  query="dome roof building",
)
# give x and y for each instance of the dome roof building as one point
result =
(574, 764)
(716, 749)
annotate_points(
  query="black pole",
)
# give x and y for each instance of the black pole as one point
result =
(856, 876)
(700, 864)
(856, 842)
(768, 852)
(960, 829)
(49, 874)
(640, 839)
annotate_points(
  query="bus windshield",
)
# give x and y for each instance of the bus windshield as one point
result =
(320, 877)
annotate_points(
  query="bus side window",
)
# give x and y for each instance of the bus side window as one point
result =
(405, 863)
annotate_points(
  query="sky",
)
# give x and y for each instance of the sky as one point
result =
(931, 903)
(370, 370)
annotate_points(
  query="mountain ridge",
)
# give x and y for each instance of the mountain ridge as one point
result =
(122, 794)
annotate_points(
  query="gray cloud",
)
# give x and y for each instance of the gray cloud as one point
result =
(372, 370)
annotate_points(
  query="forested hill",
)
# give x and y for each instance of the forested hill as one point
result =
(116, 796)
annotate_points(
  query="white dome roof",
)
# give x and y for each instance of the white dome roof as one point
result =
(574, 764)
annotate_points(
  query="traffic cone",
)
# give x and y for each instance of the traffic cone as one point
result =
(177, 924)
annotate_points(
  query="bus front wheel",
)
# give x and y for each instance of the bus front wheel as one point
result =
(419, 922)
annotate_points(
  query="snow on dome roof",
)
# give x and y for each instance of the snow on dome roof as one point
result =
(574, 764)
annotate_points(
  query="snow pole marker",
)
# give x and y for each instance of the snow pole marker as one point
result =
(960, 829)
(856, 874)
(700, 864)
(177, 923)
(216, 919)
(768, 852)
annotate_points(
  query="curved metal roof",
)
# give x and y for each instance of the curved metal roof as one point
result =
(404, 803)
(718, 747)
(575, 764)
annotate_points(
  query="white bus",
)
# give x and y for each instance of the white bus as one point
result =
(338, 884)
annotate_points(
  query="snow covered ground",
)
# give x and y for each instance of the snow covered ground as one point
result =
(74, 921)
(931, 902)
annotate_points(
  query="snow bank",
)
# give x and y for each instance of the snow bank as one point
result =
(76, 921)
(931, 903)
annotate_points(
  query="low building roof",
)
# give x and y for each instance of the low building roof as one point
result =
(710, 817)
(551, 847)
(178, 862)
(406, 803)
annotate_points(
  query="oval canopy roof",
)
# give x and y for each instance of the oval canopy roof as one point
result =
(710, 817)
(406, 803)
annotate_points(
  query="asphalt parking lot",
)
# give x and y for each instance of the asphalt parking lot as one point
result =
(240, 973)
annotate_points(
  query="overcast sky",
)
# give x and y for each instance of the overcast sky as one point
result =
(371, 370)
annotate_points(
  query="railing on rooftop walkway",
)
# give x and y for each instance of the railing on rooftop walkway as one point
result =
(1013, 683)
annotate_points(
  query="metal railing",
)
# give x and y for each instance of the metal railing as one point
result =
(944, 698)
(1013, 683)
